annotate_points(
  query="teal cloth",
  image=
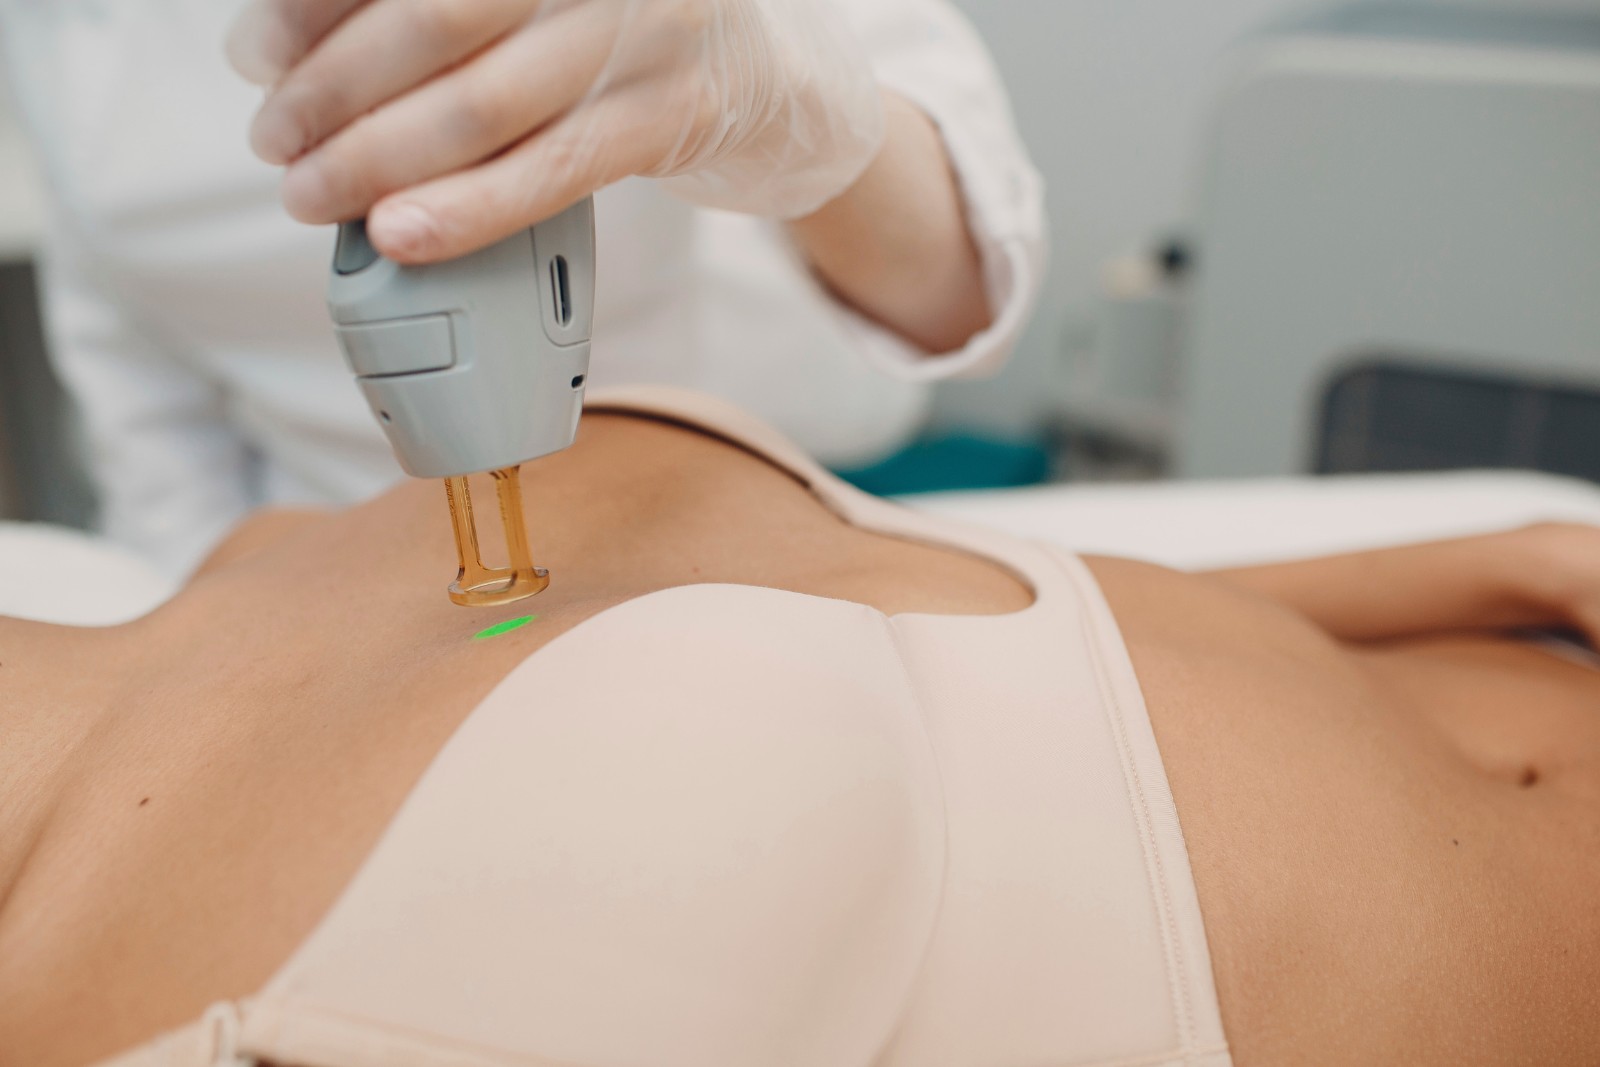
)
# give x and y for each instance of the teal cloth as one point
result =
(954, 461)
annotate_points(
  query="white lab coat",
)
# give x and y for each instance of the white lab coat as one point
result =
(186, 310)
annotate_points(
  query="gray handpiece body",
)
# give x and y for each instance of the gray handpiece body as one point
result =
(477, 364)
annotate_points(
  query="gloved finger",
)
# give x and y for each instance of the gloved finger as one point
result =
(271, 36)
(600, 143)
(493, 101)
(339, 82)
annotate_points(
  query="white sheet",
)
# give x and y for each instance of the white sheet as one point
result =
(61, 576)
(1212, 524)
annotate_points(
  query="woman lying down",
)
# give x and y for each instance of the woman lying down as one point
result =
(785, 775)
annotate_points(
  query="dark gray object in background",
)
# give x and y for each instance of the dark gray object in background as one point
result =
(1391, 415)
(42, 476)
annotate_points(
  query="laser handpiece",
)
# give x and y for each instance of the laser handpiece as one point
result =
(477, 365)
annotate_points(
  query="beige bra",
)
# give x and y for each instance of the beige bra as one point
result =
(728, 826)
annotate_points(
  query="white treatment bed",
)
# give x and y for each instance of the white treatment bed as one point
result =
(56, 575)
(60, 576)
(1195, 525)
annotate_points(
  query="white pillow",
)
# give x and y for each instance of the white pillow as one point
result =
(52, 574)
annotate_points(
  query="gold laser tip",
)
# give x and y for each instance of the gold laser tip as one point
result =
(478, 586)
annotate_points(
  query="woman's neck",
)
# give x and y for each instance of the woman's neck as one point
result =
(53, 691)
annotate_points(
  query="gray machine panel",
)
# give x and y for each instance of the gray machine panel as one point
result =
(1434, 200)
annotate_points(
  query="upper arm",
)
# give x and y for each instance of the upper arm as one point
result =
(928, 53)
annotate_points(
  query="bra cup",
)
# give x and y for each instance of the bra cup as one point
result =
(720, 851)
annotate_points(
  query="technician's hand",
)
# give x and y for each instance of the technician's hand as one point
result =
(454, 123)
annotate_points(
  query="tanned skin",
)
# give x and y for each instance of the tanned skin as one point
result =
(1392, 808)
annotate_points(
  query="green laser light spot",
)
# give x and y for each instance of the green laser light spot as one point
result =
(505, 627)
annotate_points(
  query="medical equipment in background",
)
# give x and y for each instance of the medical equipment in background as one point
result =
(1121, 394)
(42, 462)
(1397, 242)
(42, 468)
(473, 366)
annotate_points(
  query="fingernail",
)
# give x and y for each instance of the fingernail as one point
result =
(257, 44)
(305, 191)
(274, 138)
(406, 228)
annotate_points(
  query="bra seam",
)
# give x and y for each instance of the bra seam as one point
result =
(1160, 888)
(1191, 1057)
(273, 1016)
(894, 637)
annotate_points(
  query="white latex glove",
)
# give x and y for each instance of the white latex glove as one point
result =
(453, 123)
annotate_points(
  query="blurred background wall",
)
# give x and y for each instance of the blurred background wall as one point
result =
(1112, 98)
(40, 473)
(19, 195)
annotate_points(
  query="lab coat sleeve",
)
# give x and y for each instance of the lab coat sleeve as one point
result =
(927, 52)
(171, 475)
